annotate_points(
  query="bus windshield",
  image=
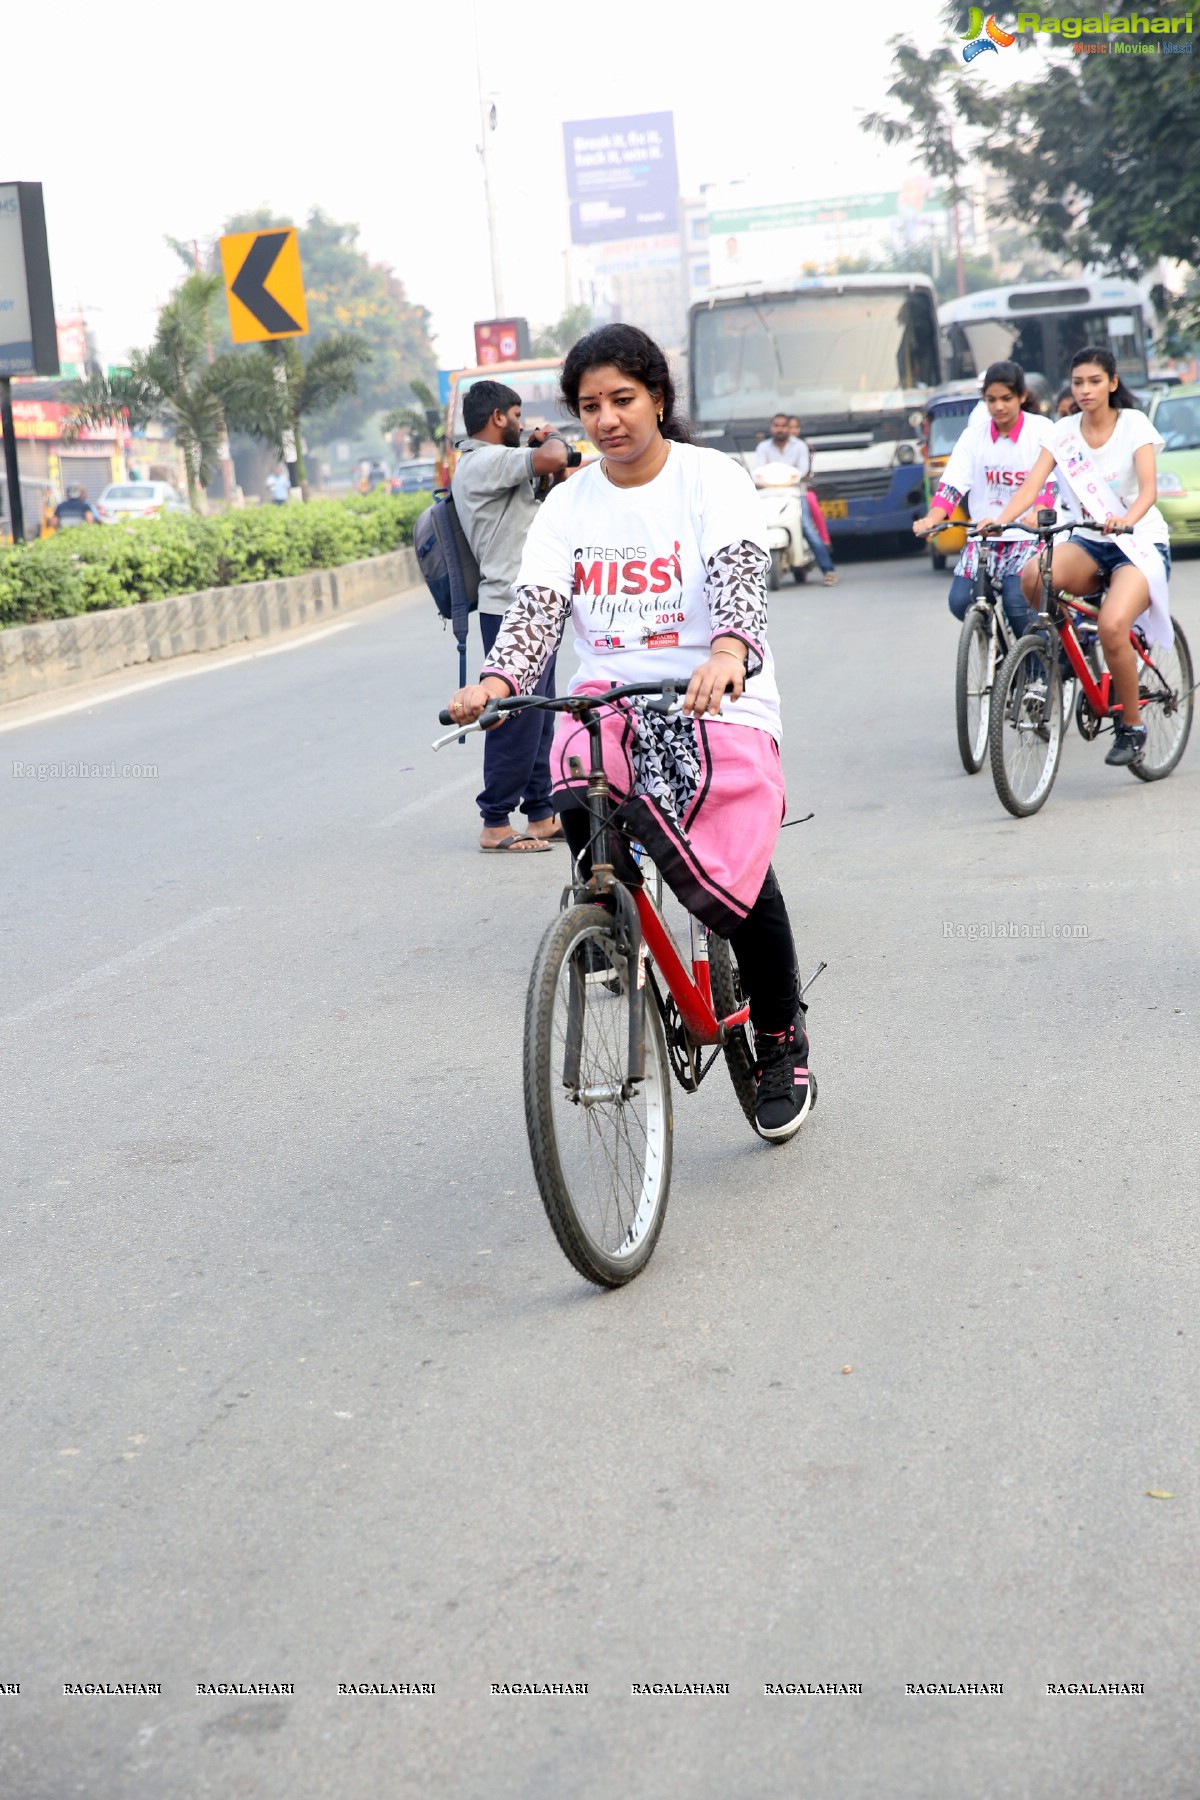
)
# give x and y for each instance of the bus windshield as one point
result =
(541, 401)
(816, 352)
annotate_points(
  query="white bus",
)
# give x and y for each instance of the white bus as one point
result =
(854, 356)
(1041, 324)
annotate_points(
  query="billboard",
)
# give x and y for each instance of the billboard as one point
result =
(28, 344)
(622, 180)
(501, 340)
(749, 242)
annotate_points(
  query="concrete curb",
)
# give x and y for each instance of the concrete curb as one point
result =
(37, 659)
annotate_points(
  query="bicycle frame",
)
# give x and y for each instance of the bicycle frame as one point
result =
(1061, 614)
(987, 593)
(692, 993)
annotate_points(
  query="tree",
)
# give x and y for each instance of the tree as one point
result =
(420, 423)
(1098, 151)
(348, 293)
(556, 340)
(170, 382)
(268, 392)
(930, 97)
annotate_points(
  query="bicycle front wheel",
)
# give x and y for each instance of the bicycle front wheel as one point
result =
(1025, 729)
(972, 689)
(601, 1149)
(1167, 703)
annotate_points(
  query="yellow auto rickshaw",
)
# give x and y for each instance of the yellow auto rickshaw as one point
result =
(946, 414)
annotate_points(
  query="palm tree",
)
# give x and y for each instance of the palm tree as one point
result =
(421, 423)
(267, 392)
(171, 382)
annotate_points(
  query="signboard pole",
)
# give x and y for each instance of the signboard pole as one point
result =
(16, 511)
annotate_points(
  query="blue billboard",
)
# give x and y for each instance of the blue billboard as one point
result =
(622, 181)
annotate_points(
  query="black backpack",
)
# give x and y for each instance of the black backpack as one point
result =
(448, 565)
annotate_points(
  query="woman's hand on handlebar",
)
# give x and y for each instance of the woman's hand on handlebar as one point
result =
(467, 704)
(724, 672)
(989, 527)
(1113, 525)
(933, 521)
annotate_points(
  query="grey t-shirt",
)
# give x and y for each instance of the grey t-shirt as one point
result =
(493, 492)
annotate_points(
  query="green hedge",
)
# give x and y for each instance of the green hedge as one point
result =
(94, 566)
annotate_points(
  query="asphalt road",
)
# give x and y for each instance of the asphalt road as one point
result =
(298, 1388)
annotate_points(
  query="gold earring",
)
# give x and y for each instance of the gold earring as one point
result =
(660, 414)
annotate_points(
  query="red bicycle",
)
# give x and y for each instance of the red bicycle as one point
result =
(599, 1059)
(1026, 723)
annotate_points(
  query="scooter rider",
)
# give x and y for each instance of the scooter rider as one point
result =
(782, 447)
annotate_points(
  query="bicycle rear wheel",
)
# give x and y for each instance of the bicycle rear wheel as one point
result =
(1025, 729)
(728, 998)
(972, 692)
(601, 1157)
(1167, 704)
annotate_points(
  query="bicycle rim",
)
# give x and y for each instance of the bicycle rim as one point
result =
(601, 1157)
(1167, 703)
(1025, 728)
(973, 691)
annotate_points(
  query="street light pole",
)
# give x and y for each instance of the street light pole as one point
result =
(487, 125)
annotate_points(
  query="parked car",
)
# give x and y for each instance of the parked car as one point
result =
(1176, 414)
(138, 500)
(417, 476)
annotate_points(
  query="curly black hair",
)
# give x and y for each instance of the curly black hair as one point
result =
(636, 354)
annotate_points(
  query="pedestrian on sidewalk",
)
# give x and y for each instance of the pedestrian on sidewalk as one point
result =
(493, 490)
(279, 485)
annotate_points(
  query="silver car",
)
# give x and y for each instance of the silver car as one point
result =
(138, 500)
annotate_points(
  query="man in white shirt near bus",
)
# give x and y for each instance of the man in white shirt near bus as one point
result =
(782, 447)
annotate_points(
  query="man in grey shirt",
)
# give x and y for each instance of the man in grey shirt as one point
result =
(493, 490)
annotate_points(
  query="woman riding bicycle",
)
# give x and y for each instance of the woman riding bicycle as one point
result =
(655, 555)
(989, 460)
(1107, 473)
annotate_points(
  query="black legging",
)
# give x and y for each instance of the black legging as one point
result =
(762, 943)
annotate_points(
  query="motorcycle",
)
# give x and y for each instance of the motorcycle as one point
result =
(784, 498)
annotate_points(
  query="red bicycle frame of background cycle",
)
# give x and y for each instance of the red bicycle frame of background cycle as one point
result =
(692, 993)
(1099, 695)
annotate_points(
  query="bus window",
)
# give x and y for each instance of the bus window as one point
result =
(1120, 332)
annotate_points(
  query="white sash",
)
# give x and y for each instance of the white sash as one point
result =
(1098, 499)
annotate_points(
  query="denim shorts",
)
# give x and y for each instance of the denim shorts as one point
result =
(1107, 557)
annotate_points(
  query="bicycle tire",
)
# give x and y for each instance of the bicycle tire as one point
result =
(1016, 691)
(1149, 769)
(972, 735)
(612, 1240)
(727, 998)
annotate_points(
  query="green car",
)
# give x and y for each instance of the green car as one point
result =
(1177, 416)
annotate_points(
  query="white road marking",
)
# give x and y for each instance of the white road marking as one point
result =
(427, 800)
(127, 960)
(201, 668)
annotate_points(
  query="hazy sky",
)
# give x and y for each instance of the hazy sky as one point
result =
(166, 122)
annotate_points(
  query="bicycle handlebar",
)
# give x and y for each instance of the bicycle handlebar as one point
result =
(668, 693)
(1045, 532)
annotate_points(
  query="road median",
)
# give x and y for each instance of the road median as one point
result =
(62, 653)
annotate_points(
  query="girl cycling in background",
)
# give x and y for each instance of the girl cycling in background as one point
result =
(654, 556)
(991, 459)
(1108, 476)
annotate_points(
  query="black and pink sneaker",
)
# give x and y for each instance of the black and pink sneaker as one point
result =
(786, 1090)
